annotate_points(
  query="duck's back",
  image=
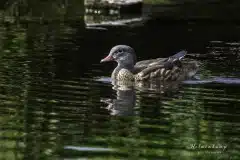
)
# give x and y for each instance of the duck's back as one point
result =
(177, 71)
(141, 65)
(158, 71)
(167, 69)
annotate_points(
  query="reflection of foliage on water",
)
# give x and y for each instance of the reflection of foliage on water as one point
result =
(27, 68)
(14, 81)
(50, 10)
(196, 9)
(184, 118)
(13, 67)
(192, 124)
(226, 57)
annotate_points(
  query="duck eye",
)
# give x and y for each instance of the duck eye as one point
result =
(120, 50)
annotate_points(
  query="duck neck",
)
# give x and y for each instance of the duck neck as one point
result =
(119, 67)
(129, 67)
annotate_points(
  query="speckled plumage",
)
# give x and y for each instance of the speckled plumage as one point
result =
(165, 69)
(125, 75)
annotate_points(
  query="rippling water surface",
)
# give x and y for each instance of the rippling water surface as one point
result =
(56, 101)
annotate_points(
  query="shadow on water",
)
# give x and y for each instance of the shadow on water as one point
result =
(53, 107)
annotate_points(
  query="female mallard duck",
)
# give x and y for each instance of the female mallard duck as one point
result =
(166, 69)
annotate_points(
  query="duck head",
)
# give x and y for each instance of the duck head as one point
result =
(124, 55)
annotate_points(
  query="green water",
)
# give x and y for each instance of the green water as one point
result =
(52, 105)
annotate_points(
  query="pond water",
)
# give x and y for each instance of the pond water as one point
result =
(56, 101)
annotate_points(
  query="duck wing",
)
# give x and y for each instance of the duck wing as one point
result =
(165, 68)
(139, 66)
(145, 63)
(164, 72)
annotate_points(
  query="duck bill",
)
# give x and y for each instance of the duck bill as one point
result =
(107, 59)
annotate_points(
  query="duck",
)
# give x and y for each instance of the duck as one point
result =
(173, 68)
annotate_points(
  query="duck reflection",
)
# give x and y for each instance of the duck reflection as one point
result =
(127, 94)
(124, 103)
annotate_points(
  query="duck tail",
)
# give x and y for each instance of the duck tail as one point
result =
(178, 56)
